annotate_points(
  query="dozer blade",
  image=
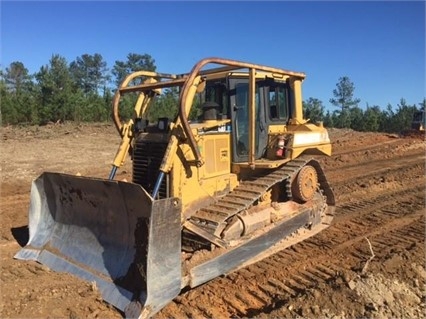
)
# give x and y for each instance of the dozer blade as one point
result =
(109, 232)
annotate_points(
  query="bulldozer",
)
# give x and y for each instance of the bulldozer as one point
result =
(419, 121)
(228, 180)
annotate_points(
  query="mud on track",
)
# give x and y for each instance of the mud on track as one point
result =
(369, 263)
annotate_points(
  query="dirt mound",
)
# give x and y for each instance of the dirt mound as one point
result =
(413, 134)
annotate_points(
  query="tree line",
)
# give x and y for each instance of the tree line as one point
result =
(82, 91)
(76, 91)
(348, 114)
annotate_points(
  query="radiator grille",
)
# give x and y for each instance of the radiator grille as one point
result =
(147, 158)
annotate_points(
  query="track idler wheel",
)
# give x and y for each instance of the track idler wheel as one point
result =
(304, 185)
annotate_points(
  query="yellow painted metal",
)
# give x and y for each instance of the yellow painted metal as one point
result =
(321, 147)
(139, 111)
(252, 117)
(297, 118)
(260, 164)
(192, 178)
(169, 156)
(277, 129)
(155, 86)
(191, 93)
(216, 148)
(324, 149)
(196, 186)
(208, 124)
(123, 149)
(167, 163)
(228, 64)
(126, 130)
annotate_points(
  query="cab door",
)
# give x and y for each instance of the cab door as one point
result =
(239, 107)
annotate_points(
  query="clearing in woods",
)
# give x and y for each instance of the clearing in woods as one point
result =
(369, 263)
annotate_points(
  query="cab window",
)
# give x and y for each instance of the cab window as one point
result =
(277, 98)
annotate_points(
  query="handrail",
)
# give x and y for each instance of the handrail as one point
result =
(124, 88)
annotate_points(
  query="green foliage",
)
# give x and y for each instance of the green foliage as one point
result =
(373, 119)
(8, 111)
(328, 119)
(16, 77)
(344, 99)
(60, 92)
(135, 62)
(17, 95)
(80, 92)
(356, 119)
(56, 98)
(89, 73)
(344, 94)
(342, 119)
(403, 117)
(89, 108)
(166, 105)
(127, 106)
(367, 121)
(313, 109)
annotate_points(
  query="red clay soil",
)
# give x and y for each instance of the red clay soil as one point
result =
(369, 263)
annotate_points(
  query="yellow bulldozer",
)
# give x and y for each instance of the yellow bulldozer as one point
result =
(210, 193)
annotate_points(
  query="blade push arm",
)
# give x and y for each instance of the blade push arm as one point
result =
(126, 130)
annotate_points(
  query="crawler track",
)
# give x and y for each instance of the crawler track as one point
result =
(213, 217)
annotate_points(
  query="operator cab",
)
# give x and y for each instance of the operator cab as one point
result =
(229, 99)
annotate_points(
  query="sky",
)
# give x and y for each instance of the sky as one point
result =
(380, 46)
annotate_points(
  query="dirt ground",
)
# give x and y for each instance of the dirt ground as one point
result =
(369, 263)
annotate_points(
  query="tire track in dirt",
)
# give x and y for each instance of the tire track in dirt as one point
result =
(266, 289)
(273, 282)
(375, 146)
(262, 297)
(279, 288)
(346, 174)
